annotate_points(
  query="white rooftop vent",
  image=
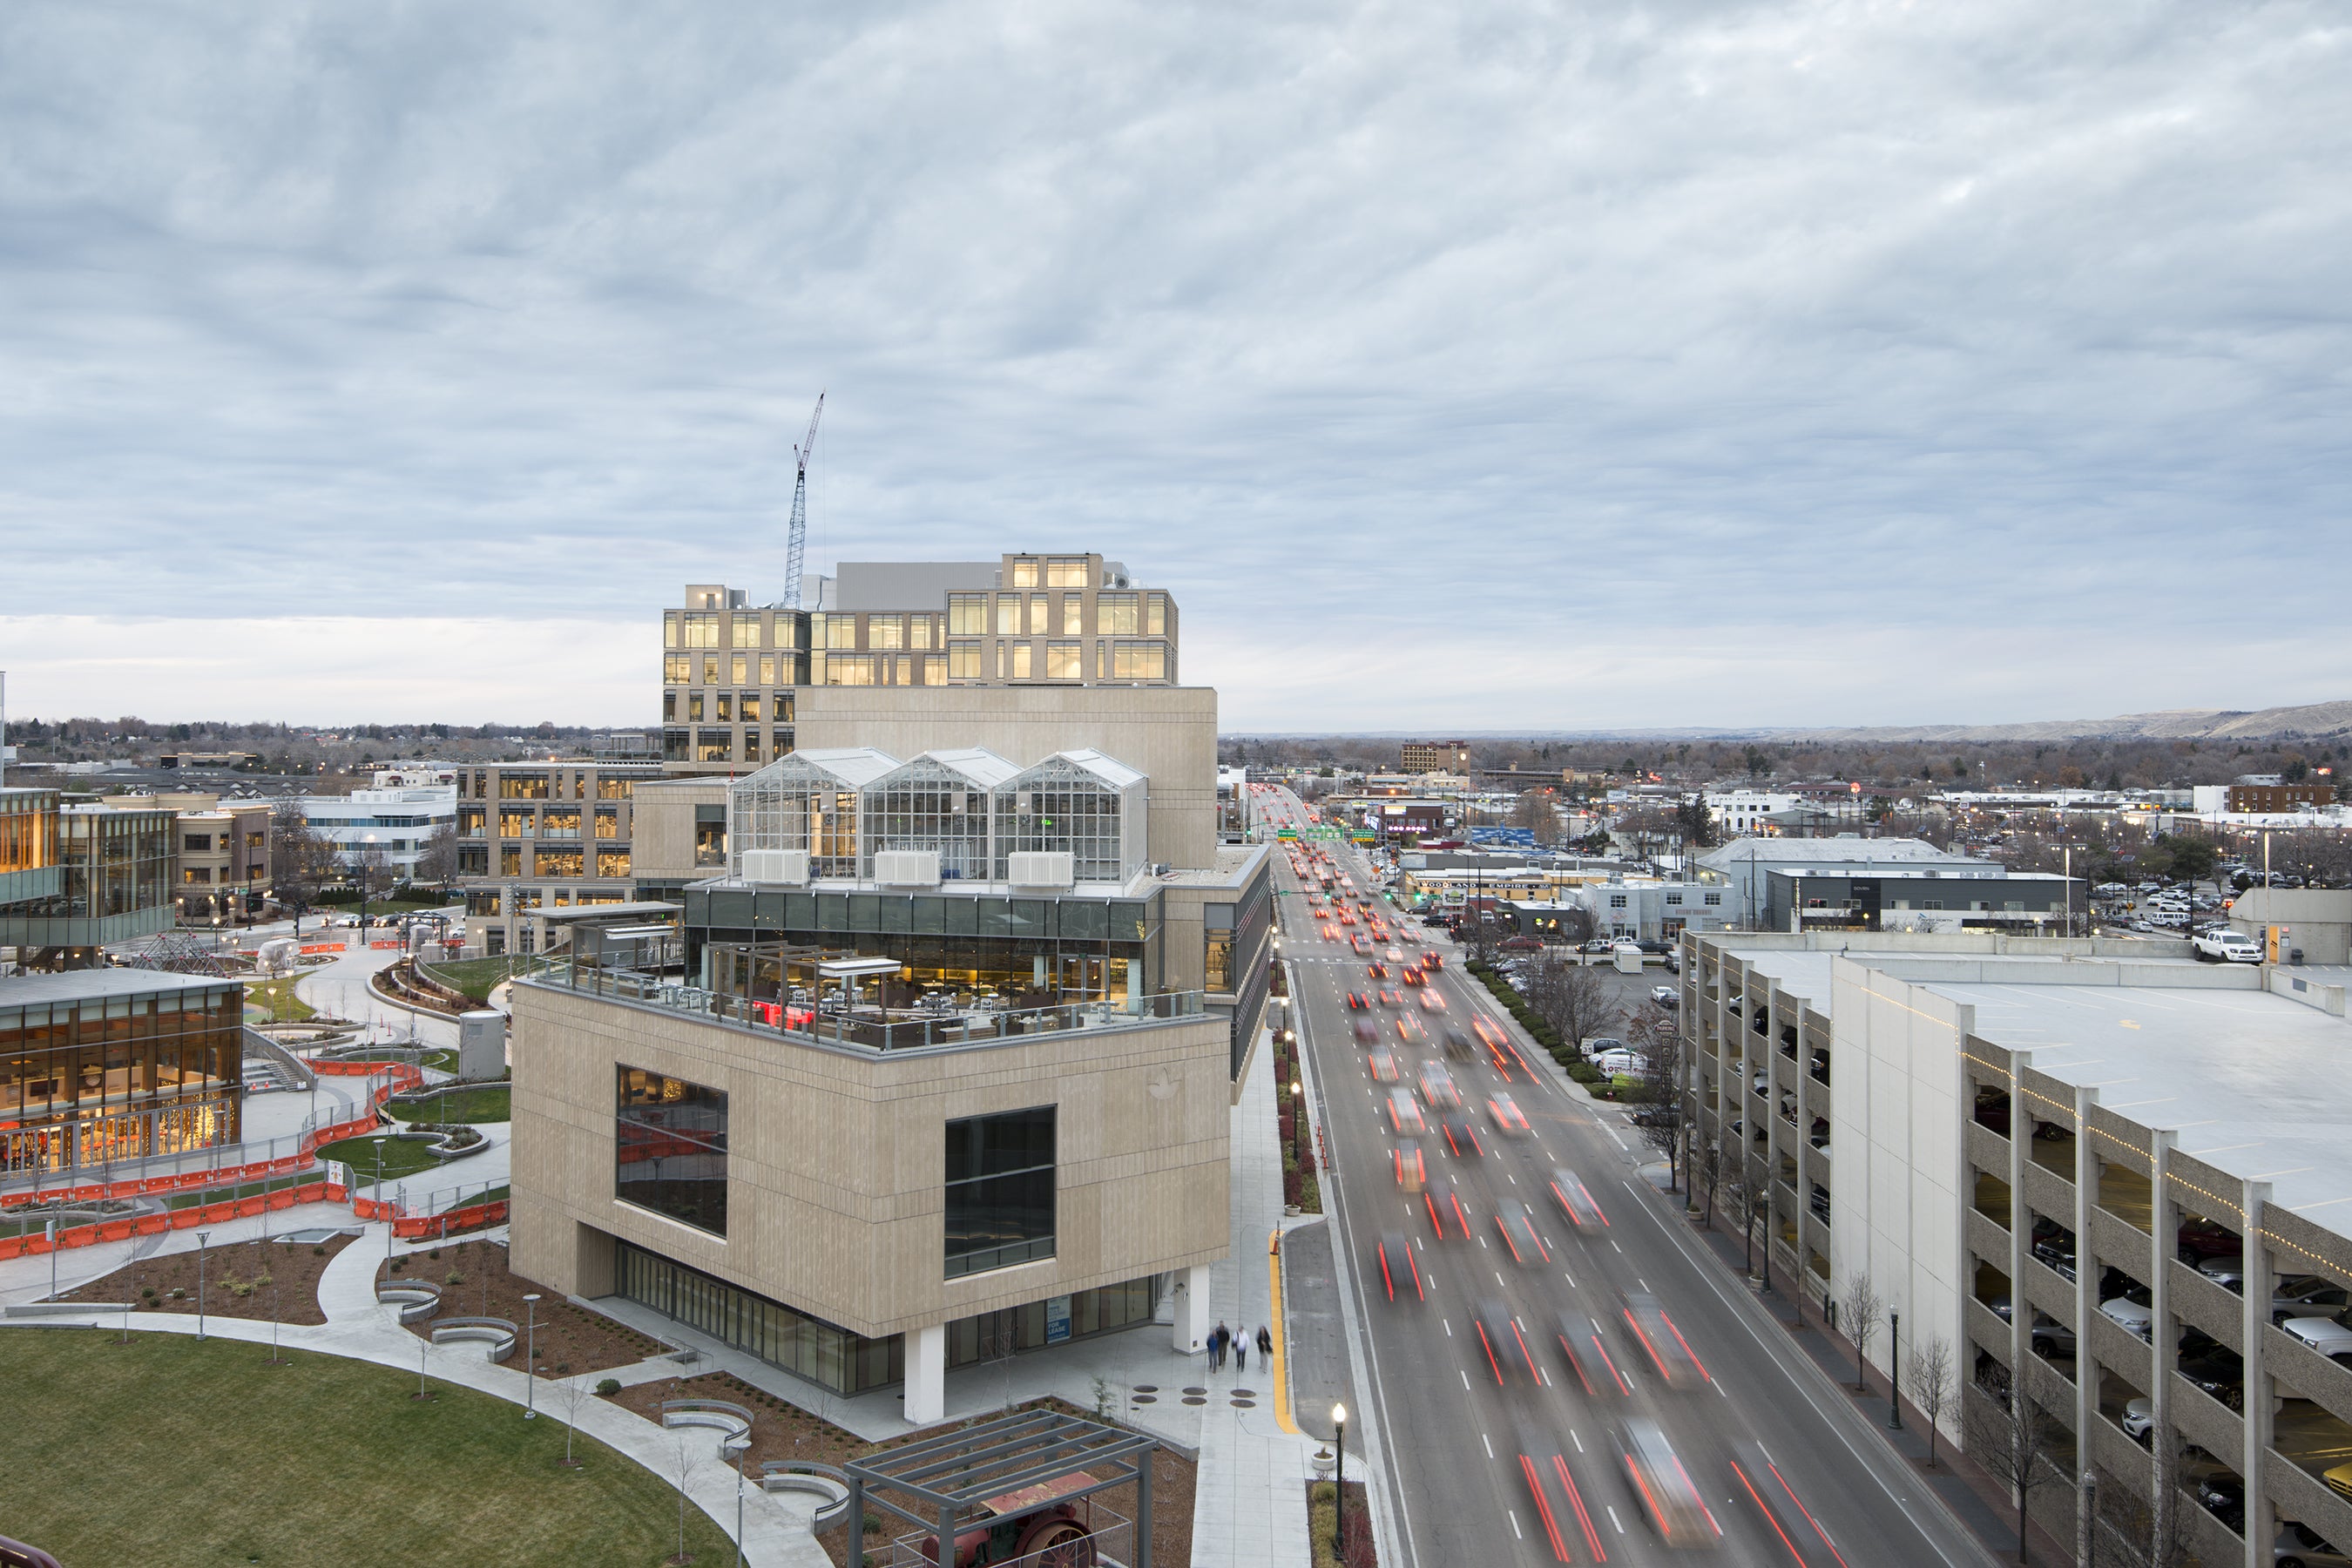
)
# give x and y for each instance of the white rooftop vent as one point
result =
(907, 868)
(1041, 868)
(788, 865)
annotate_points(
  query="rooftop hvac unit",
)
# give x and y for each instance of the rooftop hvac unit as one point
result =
(790, 866)
(907, 868)
(1041, 868)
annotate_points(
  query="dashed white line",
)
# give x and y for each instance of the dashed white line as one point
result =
(1449, 1327)
(1613, 1519)
(1466, 1383)
(1612, 1241)
(1490, 1447)
(1515, 1521)
(1569, 1277)
(1575, 1439)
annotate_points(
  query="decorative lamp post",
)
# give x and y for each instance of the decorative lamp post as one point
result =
(530, 1356)
(203, 1236)
(1339, 1478)
(378, 1198)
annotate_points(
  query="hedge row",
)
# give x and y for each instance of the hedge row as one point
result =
(1562, 1051)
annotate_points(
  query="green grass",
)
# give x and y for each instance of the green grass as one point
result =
(477, 977)
(401, 1158)
(487, 1102)
(274, 1000)
(198, 1455)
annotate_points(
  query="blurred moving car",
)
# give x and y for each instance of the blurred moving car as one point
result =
(1509, 1121)
(1382, 1065)
(1677, 1365)
(1575, 1200)
(1412, 1170)
(1518, 1224)
(1506, 1350)
(1662, 1487)
(1437, 1087)
(1399, 1270)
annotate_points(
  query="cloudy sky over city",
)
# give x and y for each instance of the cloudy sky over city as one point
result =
(1469, 366)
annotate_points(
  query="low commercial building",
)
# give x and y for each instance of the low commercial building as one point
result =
(99, 1066)
(2095, 1171)
(392, 823)
(1746, 863)
(1988, 898)
(1632, 910)
(2315, 922)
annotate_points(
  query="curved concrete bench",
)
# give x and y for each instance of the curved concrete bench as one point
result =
(417, 1299)
(820, 1481)
(732, 1422)
(497, 1333)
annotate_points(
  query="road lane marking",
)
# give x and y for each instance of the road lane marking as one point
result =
(1449, 1327)
(1466, 1383)
(1613, 1519)
(1490, 1447)
(1612, 1241)
(1514, 1515)
(1569, 1277)
(1575, 1439)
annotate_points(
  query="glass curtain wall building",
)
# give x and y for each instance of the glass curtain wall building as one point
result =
(105, 1065)
(113, 884)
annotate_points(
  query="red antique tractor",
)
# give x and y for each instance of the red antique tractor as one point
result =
(1040, 1524)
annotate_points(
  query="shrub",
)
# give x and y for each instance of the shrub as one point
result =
(318, 1252)
(149, 1294)
(453, 1278)
(609, 1386)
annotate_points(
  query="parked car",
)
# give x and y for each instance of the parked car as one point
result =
(2227, 946)
(2140, 1419)
(2326, 1335)
(2130, 1315)
(1666, 996)
(2300, 1546)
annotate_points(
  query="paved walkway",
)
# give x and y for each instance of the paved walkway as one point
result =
(775, 1533)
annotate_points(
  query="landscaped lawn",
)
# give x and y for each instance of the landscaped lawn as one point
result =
(274, 1000)
(477, 977)
(202, 1454)
(485, 1102)
(402, 1157)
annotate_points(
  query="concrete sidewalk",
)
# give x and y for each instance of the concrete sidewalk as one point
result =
(775, 1533)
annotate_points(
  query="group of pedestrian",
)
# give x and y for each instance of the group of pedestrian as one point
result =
(1224, 1341)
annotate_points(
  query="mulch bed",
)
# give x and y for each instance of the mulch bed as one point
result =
(782, 1431)
(570, 1339)
(291, 1295)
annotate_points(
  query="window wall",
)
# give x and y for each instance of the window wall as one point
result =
(928, 806)
(100, 1080)
(805, 1346)
(1000, 1190)
(1038, 1324)
(1090, 809)
(670, 1147)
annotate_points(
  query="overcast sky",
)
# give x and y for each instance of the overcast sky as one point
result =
(1456, 365)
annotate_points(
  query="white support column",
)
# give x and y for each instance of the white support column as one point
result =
(2088, 1270)
(2020, 1228)
(1193, 1310)
(926, 1375)
(2262, 1399)
(2164, 1231)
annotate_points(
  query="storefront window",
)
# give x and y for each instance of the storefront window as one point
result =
(807, 1347)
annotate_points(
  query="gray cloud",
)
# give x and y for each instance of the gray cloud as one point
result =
(1539, 365)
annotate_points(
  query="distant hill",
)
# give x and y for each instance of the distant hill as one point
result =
(2311, 719)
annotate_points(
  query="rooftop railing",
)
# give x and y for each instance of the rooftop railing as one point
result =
(864, 1028)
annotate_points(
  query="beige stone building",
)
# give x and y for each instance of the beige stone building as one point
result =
(936, 1062)
(553, 835)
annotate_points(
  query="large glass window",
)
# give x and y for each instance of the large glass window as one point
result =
(850, 670)
(1114, 614)
(885, 631)
(522, 787)
(927, 805)
(963, 661)
(1063, 662)
(612, 862)
(1066, 572)
(515, 823)
(807, 1347)
(919, 631)
(610, 788)
(560, 863)
(1140, 661)
(677, 668)
(700, 630)
(1008, 614)
(1155, 615)
(714, 745)
(1062, 805)
(1018, 670)
(967, 615)
(1024, 572)
(560, 823)
(840, 632)
(670, 1147)
(742, 665)
(747, 628)
(1073, 614)
(1000, 1190)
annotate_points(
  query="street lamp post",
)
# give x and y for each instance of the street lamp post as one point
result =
(203, 1236)
(1893, 1370)
(1339, 1478)
(530, 1356)
(379, 1199)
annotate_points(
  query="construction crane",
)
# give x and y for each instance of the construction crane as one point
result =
(798, 546)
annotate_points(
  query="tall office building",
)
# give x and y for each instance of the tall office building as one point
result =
(732, 672)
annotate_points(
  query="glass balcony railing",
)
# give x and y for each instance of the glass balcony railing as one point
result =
(864, 1028)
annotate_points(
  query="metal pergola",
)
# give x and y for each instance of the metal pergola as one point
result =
(950, 1475)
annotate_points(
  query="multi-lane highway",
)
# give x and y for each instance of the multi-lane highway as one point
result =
(1548, 1391)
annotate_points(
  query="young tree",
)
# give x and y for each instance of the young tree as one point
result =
(1859, 1312)
(686, 1463)
(2014, 1445)
(1933, 1384)
(1751, 1201)
(571, 1391)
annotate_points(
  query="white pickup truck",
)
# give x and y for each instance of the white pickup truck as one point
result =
(2229, 947)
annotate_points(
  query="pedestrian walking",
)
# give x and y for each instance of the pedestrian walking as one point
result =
(1265, 1343)
(1218, 1339)
(1241, 1357)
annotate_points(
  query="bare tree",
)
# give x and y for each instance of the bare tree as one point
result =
(1572, 998)
(300, 858)
(1859, 1312)
(1538, 811)
(570, 1393)
(1751, 1201)
(436, 863)
(1660, 1045)
(1707, 1163)
(2014, 1446)
(1933, 1384)
(688, 1462)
